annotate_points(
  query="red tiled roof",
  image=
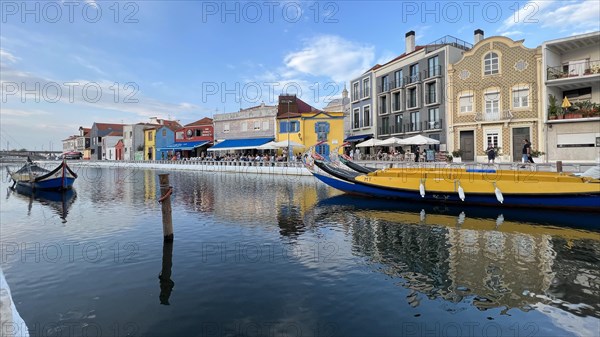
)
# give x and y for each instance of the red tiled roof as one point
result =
(115, 133)
(106, 126)
(203, 121)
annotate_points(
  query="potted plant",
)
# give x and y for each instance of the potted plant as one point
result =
(553, 108)
(456, 156)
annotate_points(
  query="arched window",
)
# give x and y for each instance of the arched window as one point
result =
(490, 64)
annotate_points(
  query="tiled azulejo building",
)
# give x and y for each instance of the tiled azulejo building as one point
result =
(494, 97)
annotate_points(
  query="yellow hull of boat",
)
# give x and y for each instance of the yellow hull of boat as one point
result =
(472, 181)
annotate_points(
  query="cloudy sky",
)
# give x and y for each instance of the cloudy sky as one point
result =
(67, 64)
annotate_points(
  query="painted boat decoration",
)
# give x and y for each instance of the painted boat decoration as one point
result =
(36, 177)
(490, 187)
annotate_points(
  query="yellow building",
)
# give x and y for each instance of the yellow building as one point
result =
(149, 144)
(300, 123)
(493, 98)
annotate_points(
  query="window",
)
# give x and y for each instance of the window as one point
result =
(164, 133)
(433, 66)
(385, 84)
(322, 130)
(265, 125)
(430, 93)
(256, 126)
(466, 103)
(398, 79)
(289, 127)
(366, 87)
(385, 125)
(414, 73)
(520, 97)
(244, 126)
(356, 116)
(411, 98)
(434, 119)
(226, 127)
(396, 102)
(492, 103)
(149, 135)
(492, 137)
(490, 64)
(367, 115)
(415, 121)
(398, 121)
(355, 95)
(198, 133)
(383, 105)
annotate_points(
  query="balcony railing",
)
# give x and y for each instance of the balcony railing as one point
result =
(447, 40)
(412, 127)
(432, 72)
(433, 124)
(384, 130)
(412, 78)
(495, 116)
(574, 69)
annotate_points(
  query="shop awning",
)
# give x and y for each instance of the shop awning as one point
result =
(358, 138)
(182, 146)
(240, 144)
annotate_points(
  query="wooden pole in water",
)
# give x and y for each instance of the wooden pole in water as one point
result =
(165, 199)
(559, 166)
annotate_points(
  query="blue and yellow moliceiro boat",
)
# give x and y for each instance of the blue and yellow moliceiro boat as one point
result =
(38, 178)
(504, 188)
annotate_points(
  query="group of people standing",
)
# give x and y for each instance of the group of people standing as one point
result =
(526, 157)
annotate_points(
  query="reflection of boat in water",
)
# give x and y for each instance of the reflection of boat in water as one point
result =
(59, 202)
(38, 178)
(510, 259)
(490, 187)
(564, 224)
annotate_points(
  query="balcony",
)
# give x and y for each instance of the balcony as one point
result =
(432, 72)
(574, 69)
(494, 117)
(383, 88)
(413, 127)
(433, 124)
(412, 78)
(384, 130)
(396, 84)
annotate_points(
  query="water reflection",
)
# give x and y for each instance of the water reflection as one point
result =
(166, 284)
(58, 202)
(491, 261)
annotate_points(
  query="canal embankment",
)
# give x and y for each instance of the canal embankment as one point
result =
(11, 323)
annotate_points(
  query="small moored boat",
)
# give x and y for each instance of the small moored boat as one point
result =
(36, 177)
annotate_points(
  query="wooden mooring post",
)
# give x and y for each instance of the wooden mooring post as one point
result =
(559, 168)
(165, 200)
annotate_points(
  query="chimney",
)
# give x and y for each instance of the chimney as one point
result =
(153, 120)
(478, 35)
(410, 42)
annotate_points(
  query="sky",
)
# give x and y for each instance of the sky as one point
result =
(66, 64)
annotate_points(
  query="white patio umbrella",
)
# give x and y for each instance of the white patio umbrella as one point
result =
(420, 140)
(393, 141)
(268, 146)
(369, 143)
(284, 144)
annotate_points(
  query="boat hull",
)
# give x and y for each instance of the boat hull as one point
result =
(54, 184)
(587, 202)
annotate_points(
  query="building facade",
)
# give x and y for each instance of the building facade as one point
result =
(494, 99)
(254, 122)
(109, 143)
(195, 138)
(342, 104)
(69, 144)
(133, 141)
(571, 69)
(300, 123)
(97, 132)
(410, 96)
(362, 118)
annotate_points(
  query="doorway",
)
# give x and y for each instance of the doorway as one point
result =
(518, 134)
(467, 140)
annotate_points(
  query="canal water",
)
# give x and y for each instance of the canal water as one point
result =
(264, 255)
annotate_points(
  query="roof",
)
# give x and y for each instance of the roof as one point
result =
(115, 134)
(108, 126)
(70, 138)
(203, 121)
(403, 55)
(170, 124)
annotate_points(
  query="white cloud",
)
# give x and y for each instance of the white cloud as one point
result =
(559, 16)
(331, 56)
(7, 58)
(512, 33)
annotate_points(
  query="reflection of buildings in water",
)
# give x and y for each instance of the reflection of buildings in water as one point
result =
(150, 178)
(195, 190)
(500, 268)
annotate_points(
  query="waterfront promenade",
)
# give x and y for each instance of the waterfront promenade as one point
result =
(298, 169)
